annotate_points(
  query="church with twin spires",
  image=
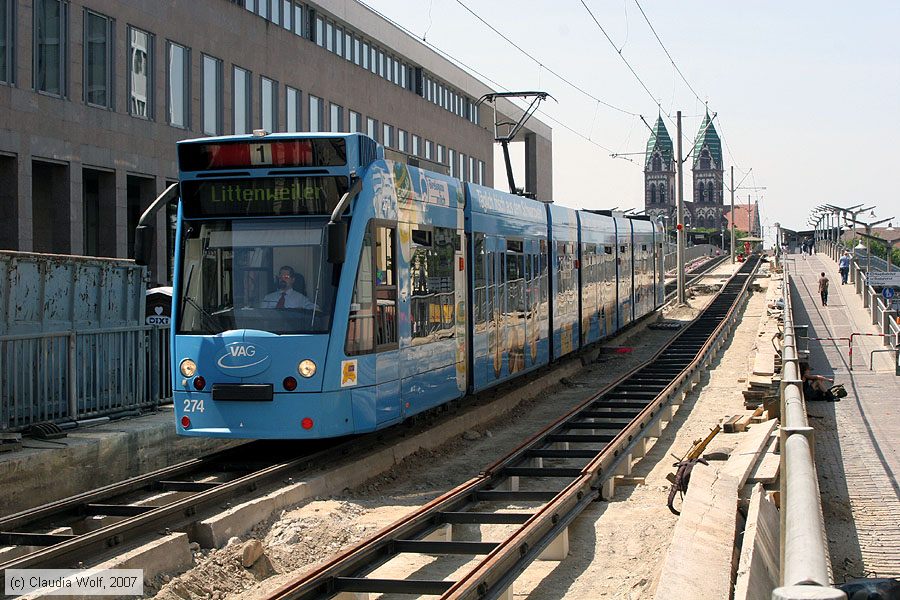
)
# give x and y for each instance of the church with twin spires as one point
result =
(707, 208)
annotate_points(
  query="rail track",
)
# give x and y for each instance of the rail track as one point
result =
(557, 474)
(174, 497)
(695, 274)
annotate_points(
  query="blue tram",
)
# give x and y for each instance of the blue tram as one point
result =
(322, 290)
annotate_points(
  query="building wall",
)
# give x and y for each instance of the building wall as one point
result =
(128, 160)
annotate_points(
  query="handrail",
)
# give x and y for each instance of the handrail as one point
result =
(804, 546)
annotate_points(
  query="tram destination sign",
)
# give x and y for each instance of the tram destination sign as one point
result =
(262, 196)
(215, 156)
(884, 278)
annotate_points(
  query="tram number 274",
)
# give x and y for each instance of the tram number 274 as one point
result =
(192, 405)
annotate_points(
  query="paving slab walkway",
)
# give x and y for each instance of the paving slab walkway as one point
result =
(857, 439)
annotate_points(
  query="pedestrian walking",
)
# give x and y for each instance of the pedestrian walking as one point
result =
(823, 288)
(844, 266)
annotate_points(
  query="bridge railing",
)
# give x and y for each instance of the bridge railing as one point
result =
(64, 376)
(73, 340)
(881, 312)
(804, 545)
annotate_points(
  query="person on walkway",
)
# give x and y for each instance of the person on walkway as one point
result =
(814, 387)
(844, 266)
(823, 288)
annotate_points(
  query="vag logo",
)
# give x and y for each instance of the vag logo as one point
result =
(240, 355)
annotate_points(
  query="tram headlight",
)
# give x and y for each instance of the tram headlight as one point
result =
(307, 368)
(188, 367)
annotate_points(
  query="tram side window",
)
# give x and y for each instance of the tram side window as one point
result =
(361, 322)
(515, 277)
(480, 292)
(432, 279)
(385, 288)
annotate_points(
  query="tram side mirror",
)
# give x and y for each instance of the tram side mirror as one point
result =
(143, 244)
(337, 242)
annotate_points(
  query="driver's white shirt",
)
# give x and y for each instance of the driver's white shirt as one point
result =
(292, 299)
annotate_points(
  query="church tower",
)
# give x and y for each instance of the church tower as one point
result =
(708, 205)
(659, 174)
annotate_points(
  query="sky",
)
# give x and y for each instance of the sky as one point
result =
(806, 93)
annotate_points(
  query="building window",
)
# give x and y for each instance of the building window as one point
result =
(451, 158)
(98, 45)
(140, 73)
(381, 64)
(298, 20)
(373, 60)
(329, 37)
(415, 145)
(357, 53)
(315, 113)
(429, 150)
(268, 104)
(355, 122)
(276, 17)
(440, 154)
(7, 40)
(178, 81)
(320, 31)
(402, 140)
(481, 172)
(242, 102)
(287, 12)
(472, 169)
(365, 56)
(387, 135)
(292, 109)
(50, 24)
(372, 128)
(336, 116)
(338, 41)
(212, 95)
(348, 46)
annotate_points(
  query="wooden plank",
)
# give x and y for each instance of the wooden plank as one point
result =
(699, 562)
(728, 425)
(748, 452)
(757, 573)
(766, 470)
(764, 362)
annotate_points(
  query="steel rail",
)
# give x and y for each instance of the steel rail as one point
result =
(496, 571)
(65, 551)
(696, 273)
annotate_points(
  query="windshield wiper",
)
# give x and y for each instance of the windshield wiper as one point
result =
(203, 312)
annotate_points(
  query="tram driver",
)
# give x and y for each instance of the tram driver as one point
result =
(286, 296)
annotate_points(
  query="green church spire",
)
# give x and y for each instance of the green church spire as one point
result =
(659, 141)
(708, 137)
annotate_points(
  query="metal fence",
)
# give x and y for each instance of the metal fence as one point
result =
(690, 254)
(73, 375)
(881, 313)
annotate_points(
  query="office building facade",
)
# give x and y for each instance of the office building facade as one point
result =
(94, 94)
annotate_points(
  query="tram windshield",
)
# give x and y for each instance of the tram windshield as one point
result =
(269, 275)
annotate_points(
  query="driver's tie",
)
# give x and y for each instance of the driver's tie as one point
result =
(281, 300)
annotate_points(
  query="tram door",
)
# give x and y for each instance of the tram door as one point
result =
(495, 247)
